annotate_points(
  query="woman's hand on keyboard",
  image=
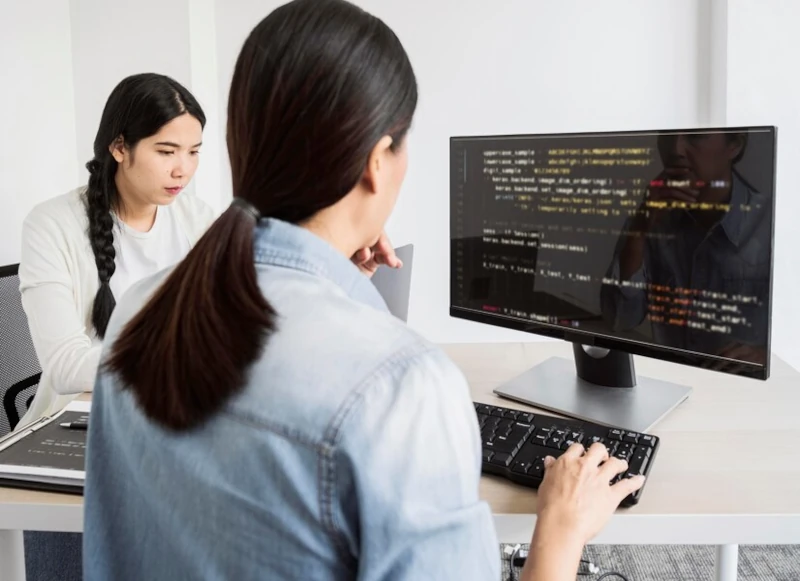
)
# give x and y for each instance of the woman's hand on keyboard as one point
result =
(576, 499)
(576, 491)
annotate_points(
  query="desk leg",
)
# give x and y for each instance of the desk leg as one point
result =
(727, 563)
(12, 556)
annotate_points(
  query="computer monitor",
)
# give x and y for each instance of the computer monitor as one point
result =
(655, 243)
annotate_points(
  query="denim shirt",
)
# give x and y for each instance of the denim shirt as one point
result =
(352, 453)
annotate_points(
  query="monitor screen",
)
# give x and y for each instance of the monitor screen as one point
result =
(657, 243)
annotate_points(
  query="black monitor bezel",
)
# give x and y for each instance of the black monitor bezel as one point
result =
(670, 354)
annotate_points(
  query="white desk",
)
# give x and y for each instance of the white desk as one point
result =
(726, 473)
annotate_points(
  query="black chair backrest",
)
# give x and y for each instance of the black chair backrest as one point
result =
(19, 366)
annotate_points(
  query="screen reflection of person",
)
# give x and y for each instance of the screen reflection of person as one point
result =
(702, 227)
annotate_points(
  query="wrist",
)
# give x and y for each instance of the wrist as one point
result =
(554, 532)
(554, 555)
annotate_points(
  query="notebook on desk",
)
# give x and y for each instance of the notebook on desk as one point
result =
(46, 456)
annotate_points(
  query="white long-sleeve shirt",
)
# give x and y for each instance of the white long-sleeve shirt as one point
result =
(58, 283)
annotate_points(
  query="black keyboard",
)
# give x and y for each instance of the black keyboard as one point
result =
(515, 444)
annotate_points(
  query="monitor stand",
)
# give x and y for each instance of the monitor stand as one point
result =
(604, 390)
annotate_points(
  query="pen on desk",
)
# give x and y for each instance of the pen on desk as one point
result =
(75, 425)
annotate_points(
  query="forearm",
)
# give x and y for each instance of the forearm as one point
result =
(553, 556)
(74, 370)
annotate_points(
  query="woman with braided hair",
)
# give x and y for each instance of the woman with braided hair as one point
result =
(81, 251)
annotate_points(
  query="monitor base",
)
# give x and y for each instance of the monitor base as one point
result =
(554, 386)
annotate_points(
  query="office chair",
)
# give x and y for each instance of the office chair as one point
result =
(19, 367)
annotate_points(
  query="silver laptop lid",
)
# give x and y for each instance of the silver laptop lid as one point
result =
(394, 284)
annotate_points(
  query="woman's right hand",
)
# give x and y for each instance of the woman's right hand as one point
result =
(576, 498)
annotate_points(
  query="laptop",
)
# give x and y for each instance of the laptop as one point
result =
(394, 284)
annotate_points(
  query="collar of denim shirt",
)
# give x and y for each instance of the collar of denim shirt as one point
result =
(279, 243)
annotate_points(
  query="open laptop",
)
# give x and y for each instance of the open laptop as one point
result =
(394, 284)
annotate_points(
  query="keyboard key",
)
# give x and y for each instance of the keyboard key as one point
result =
(543, 432)
(638, 463)
(615, 434)
(521, 467)
(487, 455)
(553, 443)
(648, 440)
(537, 469)
(526, 418)
(519, 433)
(623, 454)
(511, 414)
(507, 444)
(497, 412)
(631, 437)
(504, 424)
(501, 459)
(539, 440)
(503, 444)
(576, 436)
(483, 408)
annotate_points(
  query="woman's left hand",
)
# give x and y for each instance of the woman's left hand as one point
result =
(382, 252)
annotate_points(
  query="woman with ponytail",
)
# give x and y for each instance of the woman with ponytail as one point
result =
(259, 414)
(82, 251)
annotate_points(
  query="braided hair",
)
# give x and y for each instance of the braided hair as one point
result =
(138, 107)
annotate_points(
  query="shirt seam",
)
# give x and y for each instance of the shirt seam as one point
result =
(274, 427)
(327, 456)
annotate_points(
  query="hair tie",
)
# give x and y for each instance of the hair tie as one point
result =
(243, 204)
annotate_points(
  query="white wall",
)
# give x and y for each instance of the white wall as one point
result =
(37, 112)
(210, 181)
(511, 67)
(763, 47)
(112, 40)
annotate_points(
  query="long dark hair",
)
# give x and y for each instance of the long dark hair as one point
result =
(138, 107)
(316, 86)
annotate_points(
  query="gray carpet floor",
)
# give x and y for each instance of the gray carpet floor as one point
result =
(56, 557)
(686, 563)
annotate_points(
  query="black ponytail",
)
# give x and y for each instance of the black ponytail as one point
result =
(137, 108)
(317, 85)
(200, 331)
